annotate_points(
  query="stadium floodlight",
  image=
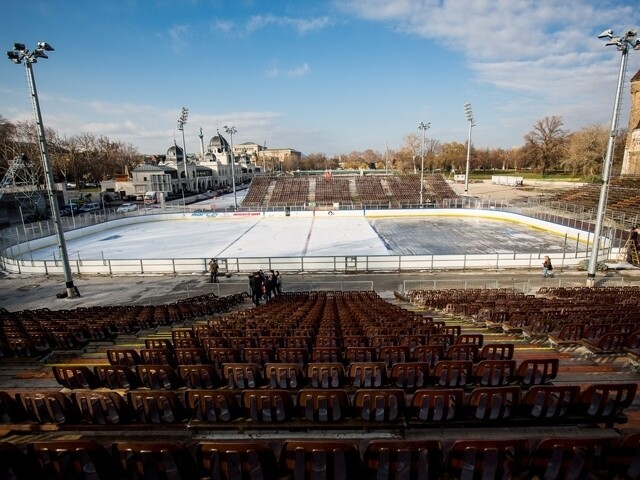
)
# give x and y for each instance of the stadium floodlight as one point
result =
(231, 131)
(622, 44)
(469, 114)
(21, 55)
(424, 127)
(182, 121)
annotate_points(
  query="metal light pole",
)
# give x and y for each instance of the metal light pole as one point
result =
(469, 113)
(622, 44)
(20, 54)
(182, 121)
(231, 131)
(424, 127)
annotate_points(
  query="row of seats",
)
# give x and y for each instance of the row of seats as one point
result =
(554, 404)
(217, 350)
(301, 459)
(405, 375)
(36, 334)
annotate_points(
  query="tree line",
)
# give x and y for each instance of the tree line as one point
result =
(81, 158)
(547, 147)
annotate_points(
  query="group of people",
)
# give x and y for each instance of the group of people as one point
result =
(264, 286)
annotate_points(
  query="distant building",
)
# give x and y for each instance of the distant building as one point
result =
(631, 159)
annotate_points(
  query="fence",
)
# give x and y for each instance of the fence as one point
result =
(16, 245)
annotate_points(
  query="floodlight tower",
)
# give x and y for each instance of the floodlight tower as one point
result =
(424, 127)
(469, 113)
(18, 55)
(182, 121)
(231, 131)
(622, 43)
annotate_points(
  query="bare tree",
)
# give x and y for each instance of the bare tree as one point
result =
(546, 143)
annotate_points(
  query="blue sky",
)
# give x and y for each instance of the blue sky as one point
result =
(319, 76)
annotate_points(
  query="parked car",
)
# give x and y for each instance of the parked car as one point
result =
(127, 207)
(89, 207)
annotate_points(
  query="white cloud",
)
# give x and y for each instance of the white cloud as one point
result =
(300, 25)
(299, 71)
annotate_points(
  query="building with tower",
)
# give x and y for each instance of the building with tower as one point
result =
(631, 159)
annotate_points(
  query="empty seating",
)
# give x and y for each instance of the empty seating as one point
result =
(237, 460)
(487, 459)
(154, 460)
(317, 459)
(323, 405)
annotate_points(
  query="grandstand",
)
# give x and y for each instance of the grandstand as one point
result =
(432, 384)
(358, 192)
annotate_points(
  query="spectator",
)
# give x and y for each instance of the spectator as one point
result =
(213, 270)
(255, 284)
(278, 283)
(547, 267)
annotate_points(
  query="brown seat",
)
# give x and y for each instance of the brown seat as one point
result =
(221, 355)
(444, 339)
(186, 342)
(437, 404)
(323, 405)
(284, 375)
(297, 355)
(493, 403)
(269, 405)
(624, 460)
(359, 354)
(101, 408)
(550, 402)
(321, 459)
(355, 341)
(612, 342)
(270, 341)
(258, 355)
(117, 377)
(298, 341)
(158, 377)
(409, 375)
(379, 404)
(497, 351)
(470, 338)
(191, 356)
(325, 375)
(412, 341)
(430, 354)
(326, 354)
(242, 375)
(237, 460)
(158, 356)
(47, 406)
(453, 373)
(367, 374)
(199, 376)
(212, 405)
(158, 343)
(213, 342)
(392, 354)
(606, 402)
(154, 460)
(123, 356)
(537, 371)
(567, 457)
(463, 351)
(10, 411)
(156, 406)
(403, 459)
(75, 376)
(495, 373)
(487, 459)
(71, 459)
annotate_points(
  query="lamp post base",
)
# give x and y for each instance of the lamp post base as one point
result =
(591, 281)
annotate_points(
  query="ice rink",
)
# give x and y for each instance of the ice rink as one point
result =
(232, 237)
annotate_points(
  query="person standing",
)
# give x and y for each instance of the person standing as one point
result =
(213, 270)
(278, 283)
(547, 267)
(255, 283)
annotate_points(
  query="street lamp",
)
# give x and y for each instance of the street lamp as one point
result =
(20, 54)
(469, 113)
(424, 127)
(182, 121)
(231, 131)
(622, 44)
